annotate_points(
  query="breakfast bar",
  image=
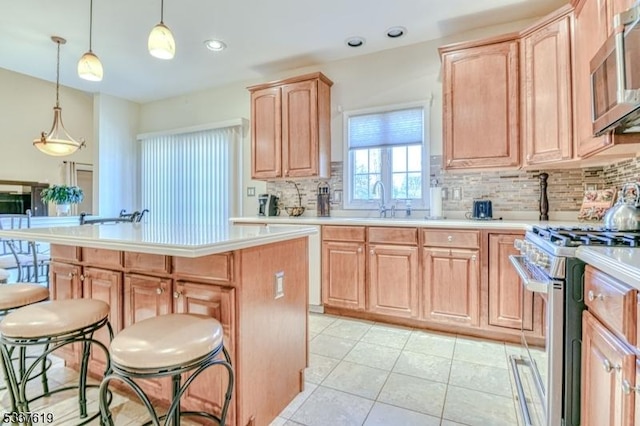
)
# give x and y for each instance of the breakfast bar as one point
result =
(252, 279)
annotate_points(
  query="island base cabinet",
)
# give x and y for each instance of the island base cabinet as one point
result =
(147, 297)
(206, 393)
(64, 283)
(393, 280)
(608, 377)
(107, 286)
(450, 286)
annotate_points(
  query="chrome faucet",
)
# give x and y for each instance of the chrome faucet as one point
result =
(381, 206)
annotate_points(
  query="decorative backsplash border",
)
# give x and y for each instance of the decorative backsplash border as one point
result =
(510, 191)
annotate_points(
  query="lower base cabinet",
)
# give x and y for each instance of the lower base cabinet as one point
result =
(343, 275)
(608, 377)
(451, 286)
(393, 280)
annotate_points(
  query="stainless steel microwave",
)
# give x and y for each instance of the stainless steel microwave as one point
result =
(615, 77)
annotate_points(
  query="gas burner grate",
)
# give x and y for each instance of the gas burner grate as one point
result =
(588, 235)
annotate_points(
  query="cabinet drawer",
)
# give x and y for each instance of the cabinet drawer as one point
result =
(393, 235)
(216, 267)
(343, 233)
(445, 238)
(65, 253)
(147, 263)
(102, 257)
(613, 302)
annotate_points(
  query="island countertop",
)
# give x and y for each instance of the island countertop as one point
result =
(622, 263)
(171, 240)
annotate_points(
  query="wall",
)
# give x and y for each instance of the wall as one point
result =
(116, 127)
(393, 76)
(26, 109)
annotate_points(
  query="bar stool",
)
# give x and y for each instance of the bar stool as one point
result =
(167, 345)
(13, 296)
(53, 324)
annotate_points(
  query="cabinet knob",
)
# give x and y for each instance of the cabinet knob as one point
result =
(592, 296)
(473, 258)
(528, 157)
(359, 249)
(176, 294)
(627, 388)
(81, 277)
(449, 162)
(71, 274)
(608, 367)
(372, 252)
(450, 238)
(159, 290)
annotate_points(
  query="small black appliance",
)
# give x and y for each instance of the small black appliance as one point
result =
(268, 205)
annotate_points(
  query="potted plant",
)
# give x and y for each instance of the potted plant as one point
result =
(62, 196)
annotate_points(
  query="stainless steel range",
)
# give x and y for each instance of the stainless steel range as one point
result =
(548, 377)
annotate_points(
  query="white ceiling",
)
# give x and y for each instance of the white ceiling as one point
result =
(263, 37)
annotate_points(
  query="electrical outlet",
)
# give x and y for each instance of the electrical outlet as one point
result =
(456, 194)
(251, 191)
(278, 285)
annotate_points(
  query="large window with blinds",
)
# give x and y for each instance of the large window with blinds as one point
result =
(188, 179)
(389, 146)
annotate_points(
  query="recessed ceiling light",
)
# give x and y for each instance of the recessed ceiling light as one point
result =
(355, 41)
(395, 32)
(215, 45)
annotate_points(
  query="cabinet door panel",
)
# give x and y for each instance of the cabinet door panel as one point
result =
(266, 133)
(481, 106)
(606, 364)
(450, 282)
(393, 280)
(300, 129)
(343, 275)
(547, 93)
(507, 298)
(64, 283)
(206, 393)
(147, 297)
(107, 286)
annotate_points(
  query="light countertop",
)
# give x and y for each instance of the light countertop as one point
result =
(416, 221)
(173, 240)
(622, 263)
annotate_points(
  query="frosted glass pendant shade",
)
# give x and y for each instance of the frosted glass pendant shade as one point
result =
(58, 141)
(161, 42)
(90, 67)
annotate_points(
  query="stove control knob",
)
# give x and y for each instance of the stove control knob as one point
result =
(543, 260)
(524, 247)
(517, 243)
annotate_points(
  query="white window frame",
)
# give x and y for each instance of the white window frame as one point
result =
(347, 175)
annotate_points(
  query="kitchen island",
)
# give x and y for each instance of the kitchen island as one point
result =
(254, 280)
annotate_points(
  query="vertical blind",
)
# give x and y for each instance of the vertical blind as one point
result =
(186, 180)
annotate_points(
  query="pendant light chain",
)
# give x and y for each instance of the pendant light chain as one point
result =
(58, 77)
(162, 11)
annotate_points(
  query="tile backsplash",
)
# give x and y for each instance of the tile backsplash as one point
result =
(510, 191)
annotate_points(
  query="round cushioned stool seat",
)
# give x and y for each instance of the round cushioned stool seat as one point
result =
(166, 341)
(21, 294)
(53, 318)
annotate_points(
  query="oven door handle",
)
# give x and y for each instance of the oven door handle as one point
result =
(531, 283)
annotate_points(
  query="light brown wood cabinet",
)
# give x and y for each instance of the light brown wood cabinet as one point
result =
(509, 305)
(107, 286)
(481, 104)
(343, 274)
(64, 283)
(547, 114)
(608, 377)
(290, 128)
(451, 292)
(393, 280)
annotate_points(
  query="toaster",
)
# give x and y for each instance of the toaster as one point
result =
(482, 209)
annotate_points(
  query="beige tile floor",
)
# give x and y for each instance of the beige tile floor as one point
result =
(368, 374)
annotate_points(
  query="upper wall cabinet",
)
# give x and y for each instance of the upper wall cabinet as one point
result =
(546, 91)
(291, 128)
(480, 110)
(593, 24)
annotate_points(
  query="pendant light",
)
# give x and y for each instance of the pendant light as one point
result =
(161, 43)
(89, 66)
(58, 141)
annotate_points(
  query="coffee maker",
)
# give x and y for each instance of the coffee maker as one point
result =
(268, 205)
